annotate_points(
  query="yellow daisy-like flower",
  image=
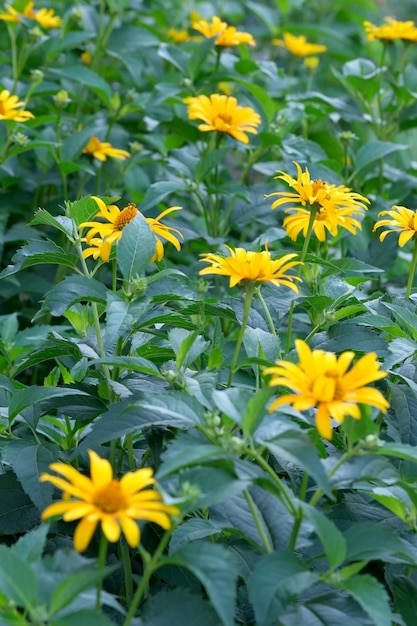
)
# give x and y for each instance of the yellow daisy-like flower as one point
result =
(335, 205)
(101, 150)
(403, 221)
(12, 109)
(298, 45)
(45, 17)
(86, 57)
(11, 15)
(178, 36)
(323, 380)
(243, 265)
(116, 504)
(393, 29)
(111, 230)
(221, 113)
(226, 35)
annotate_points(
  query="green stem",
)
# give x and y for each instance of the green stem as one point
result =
(287, 500)
(130, 455)
(319, 491)
(300, 515)
(101, 561)
(250, 290)
(150, 564)
(412, 270)
(266, 311)
(313, 211)
(127, 569)
(267, 544)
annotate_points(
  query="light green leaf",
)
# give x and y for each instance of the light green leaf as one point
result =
(67, 590)
(29, 463)
(371, 596)
(136, 248)
(158, 191)
(374, 151)
(29, 547)
(405, 595)
(17, 580)
(84, 617)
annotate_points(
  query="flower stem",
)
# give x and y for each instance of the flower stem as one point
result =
(267, 544)
(287, 500)
(101, 561)
(412, 270)
(266, 311)
(127, 569)
(250, 290)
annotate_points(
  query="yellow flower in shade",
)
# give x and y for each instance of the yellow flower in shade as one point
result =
(402, 221)
(101, 150)
(323, 380)
(221, 113)
(335, 205)
(178, 36)
(45, 17)
(298, 45)
(243, 265)
(226, 35)
(311, 63)
(115, 504)
(12, 109)
(110, 231)
(393, 29)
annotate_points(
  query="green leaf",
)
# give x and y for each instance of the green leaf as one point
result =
(174, 55)
(33, 395)
(74, 144)
(136, 248)
(178, 608)
(264, 100)
(208, 162)
(296, 447)
(333, 541)
(405, 596)
(130, 364)
(367, 541)
(46, 219)
(37, 253)
(186, 451)
(17, 511)
(276, 579)
(374, 151)
(83, 210)
(87, 78)
(29, 547)
(29, 463)
(187, 346)
(67, 590)
(62, 349)
(199, 56)
(157, 192)
(371, 596)
(83, 617)
(17, 580)
(74, 289)
(191, 530)
(214, 566)
(255, 411)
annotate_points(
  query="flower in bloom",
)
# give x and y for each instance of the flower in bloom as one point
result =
(101, 150)
(402, 221)
(221, 113)
(243, 265)
(178, 36)
(298, 45)
(45, 17)
(12, 109)
(86, 57)
(393, 29)
(110, 231)
(323, 380)
(335, 205)
(226, 35)
(116, 504)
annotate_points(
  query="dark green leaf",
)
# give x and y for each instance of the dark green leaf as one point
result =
(29, 547)
(158, 191)
(333, 541)
(33, 395)
(405, 595)
(17, 511)
(74, 289)
(178, 608)
(67, 590)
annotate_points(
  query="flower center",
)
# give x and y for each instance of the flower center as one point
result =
(111, 498)
(327, 388)
(125, 216)
(317, 185)
(321, 215)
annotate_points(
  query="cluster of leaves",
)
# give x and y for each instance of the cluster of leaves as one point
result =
(133, 360)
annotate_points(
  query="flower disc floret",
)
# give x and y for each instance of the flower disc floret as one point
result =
(402, 221)
(326, 382)
(243, 265)
(102, 499)
(222, 113)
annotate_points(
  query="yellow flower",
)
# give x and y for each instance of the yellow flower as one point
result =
(322, 380)
(86, 57)
(227, 35)
(116, 504)
(335, 205)
(221, 113)
(178, 36)
(9, 108)
(259, 267)
(101, 150)
(111, 230)
(298, 45)
(403, 221)
(311, 63)
(45, 17)
(393, 29)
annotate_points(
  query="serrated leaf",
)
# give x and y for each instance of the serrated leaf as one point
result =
(213, 565)
(371, 596)
(276, 578)
(29, 547)
(405, 595)
(74, 289)
(367, 541)
(191, 530)
(135, 248)
(37, 253)
(86, 77)
(83, 617)
(373, 151)
(333, 541)
(64, 348)
(17, 511)
(17, 580)
(83, 210)
(178, 608)
(199, 56)
(157, 192)
(43, 217)
(67, 590)
(30, 461)
(33, 395)
(208, 162)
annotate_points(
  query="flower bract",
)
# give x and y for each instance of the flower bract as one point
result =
(101, 150)
(402, 221)
(243, 265)
(226, 35)
(298, 45)
(221, 113)
(335, 205)
(115, 504)
(11, 108)
(327, 382)
(393, 29)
